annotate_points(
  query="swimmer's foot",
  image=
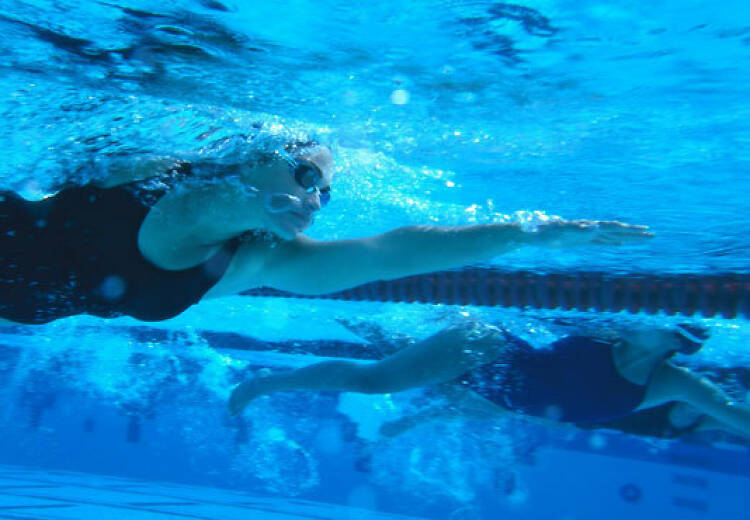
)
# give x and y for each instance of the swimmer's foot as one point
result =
(246, 392)
(241, 396)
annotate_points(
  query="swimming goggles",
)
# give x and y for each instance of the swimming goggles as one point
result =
(308, 175)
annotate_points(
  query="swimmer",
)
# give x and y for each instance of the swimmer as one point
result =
(484, 370)
(156, 236)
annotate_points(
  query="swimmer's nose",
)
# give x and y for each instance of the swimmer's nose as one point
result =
(312, 201)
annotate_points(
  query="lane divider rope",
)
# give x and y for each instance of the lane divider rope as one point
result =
(726, 295)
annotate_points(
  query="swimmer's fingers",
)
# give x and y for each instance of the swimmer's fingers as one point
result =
(609, 226)
(615, 226)
(615, 233)
(568, 233)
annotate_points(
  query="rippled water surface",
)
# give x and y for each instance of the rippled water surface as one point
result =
(440, 111)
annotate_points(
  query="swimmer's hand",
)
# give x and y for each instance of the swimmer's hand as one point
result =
(567, 233)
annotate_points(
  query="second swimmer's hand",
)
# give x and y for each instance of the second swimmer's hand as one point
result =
(567, 233)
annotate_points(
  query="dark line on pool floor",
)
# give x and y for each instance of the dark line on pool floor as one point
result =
(38, 506)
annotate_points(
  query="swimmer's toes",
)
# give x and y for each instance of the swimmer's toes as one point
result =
(232, 406)
(237, 401)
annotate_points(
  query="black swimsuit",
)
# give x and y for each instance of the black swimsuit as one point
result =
(77, 253)
(575, 379)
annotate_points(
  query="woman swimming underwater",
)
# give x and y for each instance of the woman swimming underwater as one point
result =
(486, 370)
(157, 236)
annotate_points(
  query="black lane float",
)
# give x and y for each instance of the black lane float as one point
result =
(688, 294)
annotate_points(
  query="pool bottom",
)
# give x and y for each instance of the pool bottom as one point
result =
(37, 494)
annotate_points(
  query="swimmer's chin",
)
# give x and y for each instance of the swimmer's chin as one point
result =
(289, 226)
(286, 233)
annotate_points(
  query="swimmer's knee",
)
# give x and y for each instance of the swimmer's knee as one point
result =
(370, 380)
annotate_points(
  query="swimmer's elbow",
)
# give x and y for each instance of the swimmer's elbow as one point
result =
(315, 268)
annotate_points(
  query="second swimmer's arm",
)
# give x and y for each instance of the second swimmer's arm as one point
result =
(312, 267)
(462, 404)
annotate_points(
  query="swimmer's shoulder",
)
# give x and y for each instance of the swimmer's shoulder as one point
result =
(254, 259)
(129, 170)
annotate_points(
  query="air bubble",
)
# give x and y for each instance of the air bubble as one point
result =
(400, 97)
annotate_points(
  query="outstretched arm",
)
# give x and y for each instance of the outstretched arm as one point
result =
(435, 413)
(307, 266)
(462, 403)
(672, 383)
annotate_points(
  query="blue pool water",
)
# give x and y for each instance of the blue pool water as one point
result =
(439, 112)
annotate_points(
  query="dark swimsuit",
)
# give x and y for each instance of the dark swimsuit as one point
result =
(574, 380)
(77, 253)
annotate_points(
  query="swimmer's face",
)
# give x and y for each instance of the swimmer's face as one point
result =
(292, 192)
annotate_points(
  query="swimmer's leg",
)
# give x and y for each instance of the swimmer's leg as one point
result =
(442, 357)
(672, 383)
(346, 376)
